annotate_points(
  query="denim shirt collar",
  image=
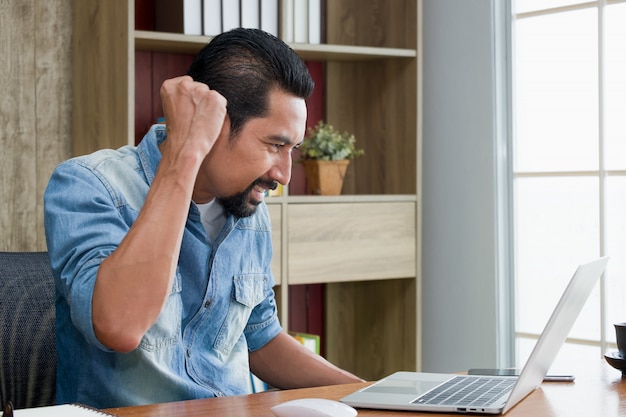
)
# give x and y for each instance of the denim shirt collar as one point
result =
(150, 156)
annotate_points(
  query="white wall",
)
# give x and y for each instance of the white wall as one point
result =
(461, 288)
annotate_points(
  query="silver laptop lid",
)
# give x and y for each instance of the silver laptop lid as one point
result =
(400, 390)
(556, 330)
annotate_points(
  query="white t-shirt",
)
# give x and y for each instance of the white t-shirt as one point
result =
(213, 218)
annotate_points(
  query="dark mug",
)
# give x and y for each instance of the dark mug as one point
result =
(620, 334)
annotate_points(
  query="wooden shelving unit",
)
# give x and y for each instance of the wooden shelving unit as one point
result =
(365, 245)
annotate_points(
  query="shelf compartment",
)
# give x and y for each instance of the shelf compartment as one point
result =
(373, 326)
(338, 242)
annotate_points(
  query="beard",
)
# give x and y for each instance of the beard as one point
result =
(240, 204)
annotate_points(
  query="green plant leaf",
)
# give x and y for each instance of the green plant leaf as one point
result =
(323, 142)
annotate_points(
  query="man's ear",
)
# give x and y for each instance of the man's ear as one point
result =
(226, 132)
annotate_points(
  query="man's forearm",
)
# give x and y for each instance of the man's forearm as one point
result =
(285, 363)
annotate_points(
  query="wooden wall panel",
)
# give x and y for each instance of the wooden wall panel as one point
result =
(35, 113)
(100, 80)
(17, 112)
(53, 60)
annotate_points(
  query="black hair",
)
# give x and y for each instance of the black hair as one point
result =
(244, 65)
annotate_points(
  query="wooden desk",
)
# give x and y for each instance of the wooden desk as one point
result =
(599, 390)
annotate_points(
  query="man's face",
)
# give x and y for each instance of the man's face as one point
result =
(239, 171)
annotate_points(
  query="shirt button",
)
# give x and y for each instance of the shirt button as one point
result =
(207, 303)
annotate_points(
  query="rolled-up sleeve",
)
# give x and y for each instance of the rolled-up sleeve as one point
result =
(263, 324)
(83, 226)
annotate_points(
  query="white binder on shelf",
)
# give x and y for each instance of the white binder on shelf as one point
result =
(212, 17)
(269, 16)
(230, 15)
(315, 21)
(250, 14)
(193, 17)
(300, 21)
(287, 28)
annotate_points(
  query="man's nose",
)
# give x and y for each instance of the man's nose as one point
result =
(281, 172)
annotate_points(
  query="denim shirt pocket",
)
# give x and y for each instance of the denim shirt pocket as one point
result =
(166, 331)
(248, 292)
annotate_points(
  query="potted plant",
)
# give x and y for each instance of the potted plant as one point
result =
(326, 154)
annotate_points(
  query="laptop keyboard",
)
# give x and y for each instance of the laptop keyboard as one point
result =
(466, 391)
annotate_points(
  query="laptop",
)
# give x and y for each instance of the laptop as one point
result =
(453, 393)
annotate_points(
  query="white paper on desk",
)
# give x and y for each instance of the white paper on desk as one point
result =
(65, 410)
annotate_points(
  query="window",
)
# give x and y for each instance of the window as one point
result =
(569, 151)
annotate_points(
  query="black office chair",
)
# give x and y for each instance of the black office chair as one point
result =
(27, 330)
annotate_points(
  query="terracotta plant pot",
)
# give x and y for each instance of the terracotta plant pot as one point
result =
(325, 177)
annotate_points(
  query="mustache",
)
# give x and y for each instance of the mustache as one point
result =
(269, 184)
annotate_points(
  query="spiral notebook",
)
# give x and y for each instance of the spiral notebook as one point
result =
(65, 410)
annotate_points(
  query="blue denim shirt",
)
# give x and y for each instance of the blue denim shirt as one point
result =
(221, 303)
